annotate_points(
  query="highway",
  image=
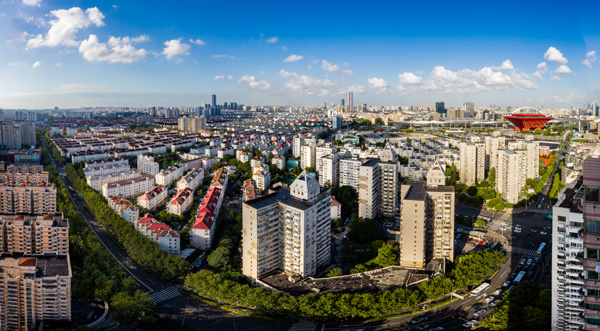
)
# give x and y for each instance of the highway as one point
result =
(178, 312)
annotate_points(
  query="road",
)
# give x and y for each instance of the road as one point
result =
(177, 312)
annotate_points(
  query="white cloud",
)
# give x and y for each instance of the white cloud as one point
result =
(34, 3)
(377, 83)
(283, 47)
(555, 78)
(329, 66)
(251, 82)
(507, 65)
(354, 88)
(554, 55)
(563, 69)
(542, 67)
(217, 77)
(410, 78)
(65, 26)
(198, 42)
(590, 58)
(272, 40)
(309, 67)
(306, 84)
(117, 50)
(218, 56)
(175, 47)
(230, 77)
(293, 58)
(36, 64)
(58, 64)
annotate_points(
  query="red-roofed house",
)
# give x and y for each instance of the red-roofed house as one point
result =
(166, 238)
(206, 216)
(181, 202)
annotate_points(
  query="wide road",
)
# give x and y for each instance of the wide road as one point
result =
(177, 312)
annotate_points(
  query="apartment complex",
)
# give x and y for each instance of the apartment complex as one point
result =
(167, 176)
(192, 179)
(96, 181)
(427, 225)
(472, 162)
(27, 198)
(166, 238)
(128, 188)
(287, 230)
(181, 202)
(567, 280)
(153, 198)
(34, 235)
(124, 208)
(22, 177)
(203, 229)
(33, 289)
(378, 189)
(146, 165)
(328, 169)
(262, 177)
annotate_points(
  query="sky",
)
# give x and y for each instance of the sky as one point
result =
(178, 53)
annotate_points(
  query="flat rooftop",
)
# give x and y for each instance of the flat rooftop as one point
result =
(45, 265)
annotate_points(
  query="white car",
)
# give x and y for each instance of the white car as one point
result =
(489, 299)
(543, 233)
(494, 303)
(497, 292)
(470, 324)
(507, 283)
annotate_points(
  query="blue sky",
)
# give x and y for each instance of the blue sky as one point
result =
(145, 53)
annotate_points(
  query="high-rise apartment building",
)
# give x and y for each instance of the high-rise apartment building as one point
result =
(297, 143)
(472, 162)
(492, 146)
(33, 289)
(308, 157)
(27, 198)
(34, 235)
(427, 225)
(378, 189)
(349, 173)
(350, 102)
(328, 169)
(567, 280)
(511, 174)
(287, 230)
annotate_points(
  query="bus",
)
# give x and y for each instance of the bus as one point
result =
(477, 291)
(519, 277)
(542, 246)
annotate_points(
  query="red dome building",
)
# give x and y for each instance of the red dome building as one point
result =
(528, 118)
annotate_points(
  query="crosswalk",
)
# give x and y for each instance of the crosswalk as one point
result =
(165, 294)
(522, 251)
(303, 325)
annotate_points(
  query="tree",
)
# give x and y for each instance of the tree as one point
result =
(127, 309)
(219, 258)
(358, 269)
(472, 191)
(387, 255)
(491, 178)
(335, 272)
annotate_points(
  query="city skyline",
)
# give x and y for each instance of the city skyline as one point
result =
(69, 54)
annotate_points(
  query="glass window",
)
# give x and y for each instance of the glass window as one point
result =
(591, 193)
(592, 253)
(592, 275)
(592, 226)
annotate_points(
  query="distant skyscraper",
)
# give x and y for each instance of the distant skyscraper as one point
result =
(350, 101)
(343, 103)
(595, 109)
(214, 101)
(440, 108)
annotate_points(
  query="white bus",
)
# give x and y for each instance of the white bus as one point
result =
(542, 246)
(477, 291)
(519, 277)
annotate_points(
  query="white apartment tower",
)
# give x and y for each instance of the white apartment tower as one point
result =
(472, 162)
(328, 168)
(349, 173)
(511, 174)
(378, 189)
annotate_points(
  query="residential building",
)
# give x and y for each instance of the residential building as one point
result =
(34, 289)
(153, 198)
(567, 271)
(336, 209)
(96, 181)
(472, 163)
(262, 178)
(124, 208)
(287, 230)
(328, 169)
(378, 189)
(202, 232)
(34, 234)
(128, 188)
(181, 202)
(192, 179)
(279, 162)
(297, 143)
(511, 174)
(427, 225)
(23, 167)
(256, 161)
(22, 177)
(27, 198)
(349, 173)
(308, 156)
(250, 190)
(161, 234)
(146, 165)
(167, 176)
(492, 146)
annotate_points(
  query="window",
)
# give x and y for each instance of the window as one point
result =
(591, 193)
(592, 226)
(592, 253)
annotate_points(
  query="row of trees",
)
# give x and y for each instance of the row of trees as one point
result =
(96, 276)
(141, 249)
(476, 267)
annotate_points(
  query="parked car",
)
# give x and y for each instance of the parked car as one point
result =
(543, 233)
(497, 292)
(494, 303)
(523, 261)
(529, 261)
(507, 283)
(479, 312)
(488, 299)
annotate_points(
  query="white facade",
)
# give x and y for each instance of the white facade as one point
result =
(328, 169)
(146, 165)
(96, 181)
(128, 188)
(192, 179)
(511, 174)
(349, 173)
(153, 198)
(167, 176)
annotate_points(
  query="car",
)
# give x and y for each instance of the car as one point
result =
(419, 320)
(537, 259)
(476, 306)
(489, 299)
(494, 303)
(459, 314)
(480, 243)
(523, 261)
(479, 312)
(543, 233)
(529, 262)
(507, 283)
(468, 324)
(497, 292)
